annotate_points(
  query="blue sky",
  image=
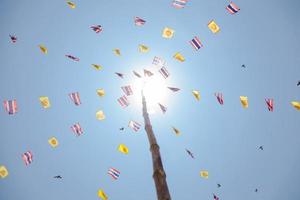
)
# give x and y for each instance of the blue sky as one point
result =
(264, 36)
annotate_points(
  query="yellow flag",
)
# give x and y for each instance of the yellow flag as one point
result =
(143, 48)
(179, 57)
(117, 52)
(102, 195)
(213, 26)
(168, 33)
(296, 104)
(196, 94)
(53, 142)
(97, 67)
(3, 172)
(244, 101)
(71, 4)
(176, 130)
(101, 92)
(204, 174)
(43, 49)
(100, 115)
(45, 102)
(122, 148)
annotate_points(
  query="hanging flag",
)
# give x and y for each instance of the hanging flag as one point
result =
(232, 8)
(53, 142)
(168, 33)
(195, 42)
(190, 153)
(215, 197)
(117, 52)
(97, 67)
(102, 195)
(196, 94)
(174, 89)
(147, 73)
(134, 125)
(270, 104)
(114, 173)
(177, 132)
(244, 101)
(213, 26)
(71, 4)
(163, 71)
(204, 174)
(179, 57)
(136, 74)
(127, 90)
(139, 21)
(27, 157)
(123, 101)
(13, 38)
(43, 49)
(75, 98)
(143, 48)
(97, 28)
(120, 75)
(72, 57)
(10, 106)
(163, 108)
(296, 104)
(100, 92)
(123, 149)
(3, 172)
(159, 62)
(45, 102)
(179, 3)
(220, 98)
(100, 115)
(76, 128)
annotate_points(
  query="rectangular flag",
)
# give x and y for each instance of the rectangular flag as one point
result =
(3, 172)
(123, 101)
(164, 72)
(10, 106)
(159, 62)
(102, 194)
(75, 98)
(196, 43)
(27, 157)
(213, 26)
(270, 104)
(114, 173)
(147, 73)
(76, 128)
(179, 3)
(232, 8)
(45, 102)
(127, 90)
(139, 21)
(220, 98)
(134, 125)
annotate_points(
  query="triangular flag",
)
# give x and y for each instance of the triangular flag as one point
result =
(204, 174)
(101, 92)
(244, 101)
(43, 49)
(168, 33)
(196, 94)
(296, 104)
(3, 172)
(174, 89)
(53, 142)
(97, 67)
(120, 74)
(179, 57)
(117, 52)
(213, 26)
(71, 4)
(177, 132)
(147, 73)
(163, 108)
(122, 148)
(136, 74)
(143, 48)
(100, 115)
(102, 195)
(45, 102)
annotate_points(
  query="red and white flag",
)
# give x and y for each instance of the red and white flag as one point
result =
(10, 106)
(123, 101)
(139, 21)
(27, 157)
(270, 104)
(76, 128)
(75, 98)
(127, 90)
(220, 98)
(134, 125)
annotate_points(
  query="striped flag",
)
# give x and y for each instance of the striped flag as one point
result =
(195, 42)
(174, 89)
(232, 8)
(159, 62)
(127, 90)
(113, 173)
(10, 106)
(137, 74)
(76, 128)
(13, 38)
(270, 104)
(179, 3)
(27, 157)
(163, 108)
(72, 57)
(75, 98)
(139, 21)
(164, 72)
(147, 73)
(135, 126)
(123, 101)
(97, 28)
(220, 98)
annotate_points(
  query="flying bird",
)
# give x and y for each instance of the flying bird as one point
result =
(261, 148)
(190, 153)
(58, 177)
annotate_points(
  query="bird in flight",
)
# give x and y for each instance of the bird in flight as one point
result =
(58, 177)
(190, 153)
(261, 148)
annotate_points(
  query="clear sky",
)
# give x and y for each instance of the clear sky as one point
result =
(225, 140)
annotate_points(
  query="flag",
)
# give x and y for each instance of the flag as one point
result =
(13, 38)
(244, 101)
(27, 157)
(168, 33)
(45, 102)
(102, 195)
(53, 142)
(72, 57)
(127, 90)
(76, 128)
(136, 74)
(114, 173)
(220, 98)
(10, 106)
(163, 108)
(139, 21)
(215, 197)
(134, 125)
(159, 62)
(270, 104)
(71, 4)
(232, 8)
(174, 89)
(296, 104)
(101, 92)
(196, 94)
(179, 3)
(163, 71)
(213, 26)
(117, 52)
(97, 67)
(75, 98)
(97, 28)
(3, 172)
(100, 115)
(147, 73)
(204, 174)
(177, 132)
(143, 48)
(122, 148)
(43, 49)
(196, 43)
(179, 57)
(120, 75)
(123, 101)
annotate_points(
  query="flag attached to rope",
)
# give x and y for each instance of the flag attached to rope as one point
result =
(196, 93)
(45, 102)
(10, 106)
(147, 73)
(123, 149)
(100, 115)
(177, 132)
(97, 67)
(102, 195)
(135, 126)
(159, 62)
(97, 28)
(220, 98)
(296, 104)
(215, 197)
(196, 43)
(179, 3)
(43, 49)
(168, 33)
(163, 108)
(100, 92)
(27, 157)
(75, 98)
(53, 142)
(76, 128)
(117, 52)
(204, 174)
(72, 57)
(174, 89)
(119, 75)
(114, 173)
(232, 8)
(123, 101)
(3, 172)
(143, 48)
(164, 72)
(244, 101)
(179, 57)
(139, 21)
(71, 4)
(13, 38)
(213, 26)
(137, 74)
(270, 104)
(127, 90)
